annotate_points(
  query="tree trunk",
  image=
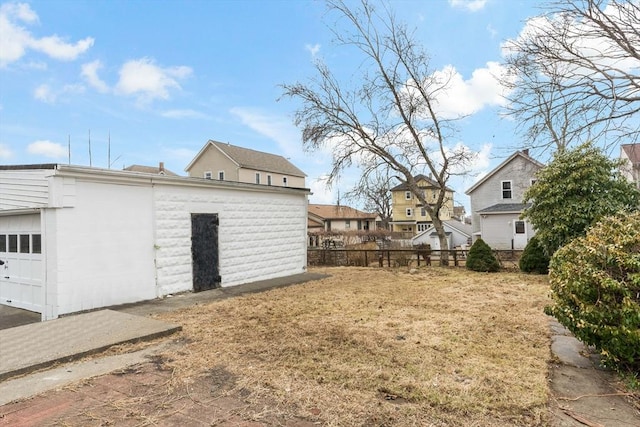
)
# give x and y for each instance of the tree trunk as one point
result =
(442, 237)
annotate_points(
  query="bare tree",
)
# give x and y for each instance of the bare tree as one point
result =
(390, 117)
(575, 76)
(373, 192)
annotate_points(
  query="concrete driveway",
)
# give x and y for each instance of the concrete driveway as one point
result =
(11, 317)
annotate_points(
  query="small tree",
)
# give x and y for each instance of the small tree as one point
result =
(481, 258)
(579, 187)
(534, 259)
(595, 284)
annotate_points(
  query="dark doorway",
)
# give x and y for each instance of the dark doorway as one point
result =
(204, 251)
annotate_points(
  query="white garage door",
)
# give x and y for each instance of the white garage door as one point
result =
(21, 252)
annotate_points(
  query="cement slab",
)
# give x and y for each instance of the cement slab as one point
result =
(30, 347)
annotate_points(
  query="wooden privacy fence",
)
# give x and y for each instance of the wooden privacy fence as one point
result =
(399, 257)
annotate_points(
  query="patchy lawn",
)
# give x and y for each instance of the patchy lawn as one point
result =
(368, 346)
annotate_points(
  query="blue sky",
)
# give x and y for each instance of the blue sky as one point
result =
(160, 78)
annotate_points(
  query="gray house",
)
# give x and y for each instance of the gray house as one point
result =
(496, 202)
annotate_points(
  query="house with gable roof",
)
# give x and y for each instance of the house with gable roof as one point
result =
(631, 169)
(409, 215)
(225, 162)
(496, 202)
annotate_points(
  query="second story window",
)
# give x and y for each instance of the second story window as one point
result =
(221, 175)
(268, 179)
(284, 181)
(257, 177)
(407, 195)
(409, 212)
(506, 190)
(423, 212)
(347, 223)
(208, 175)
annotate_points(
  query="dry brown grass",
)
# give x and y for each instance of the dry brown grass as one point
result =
(442, 347)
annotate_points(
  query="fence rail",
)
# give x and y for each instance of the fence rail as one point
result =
(399, 257)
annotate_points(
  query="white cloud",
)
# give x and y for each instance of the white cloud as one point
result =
(184, 114)
(5, 152)
(470, 5)
(44, 93)
(492, 31)
(322, 195)
(584, 38)
(48, 95)
(47, 149)
(279, 129)
(90, 74)
(464, 97)
(57, 48)
(313, 49)
(15, 39)
(147, 81)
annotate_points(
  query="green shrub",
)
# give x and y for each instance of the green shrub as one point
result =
(595, 285)
(481, 258)
(534, 259)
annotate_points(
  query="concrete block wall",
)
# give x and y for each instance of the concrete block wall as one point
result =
(261, 235)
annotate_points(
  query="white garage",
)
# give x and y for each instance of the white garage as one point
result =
(77, 238)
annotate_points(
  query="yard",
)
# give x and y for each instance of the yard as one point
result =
(442, 347)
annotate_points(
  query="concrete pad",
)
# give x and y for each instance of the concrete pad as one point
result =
(39, 382)
(30, 347)
(10, 317)
(570, 351)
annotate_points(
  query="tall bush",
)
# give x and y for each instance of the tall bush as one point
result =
(534, 259)
(481, 258)
(595, 283)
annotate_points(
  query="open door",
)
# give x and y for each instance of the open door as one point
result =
(204, 252)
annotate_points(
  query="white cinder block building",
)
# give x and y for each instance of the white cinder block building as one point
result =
(77, 238)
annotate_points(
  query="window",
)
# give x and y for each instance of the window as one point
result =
(221, 175)
(347, 223)
(409, 212)
(25, 241)
(36, 244)
(208, 175)
(407, 195)
(533, 181)
(13, 243)
(268, 179)
(284, 181)
(422, 227)
(3, 243)
(423, 212)
(519, 227)
(257, 177)
(506, 189)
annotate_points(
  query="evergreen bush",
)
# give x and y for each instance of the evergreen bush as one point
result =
(595, 285)
(534, 259)
(481, 258)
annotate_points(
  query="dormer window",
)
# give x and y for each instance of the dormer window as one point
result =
(268, 179)
(208, 175)
(221, 175)
(257, 177)
(284, 181)
(506, 189)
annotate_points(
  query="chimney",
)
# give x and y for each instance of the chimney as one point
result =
(525, 151)
(161, 168)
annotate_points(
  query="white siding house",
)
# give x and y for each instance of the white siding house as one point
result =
(458, 235)
(496, 203)
(77, 238)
